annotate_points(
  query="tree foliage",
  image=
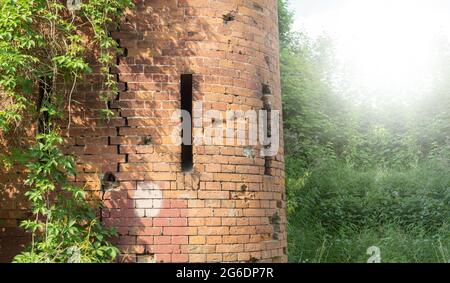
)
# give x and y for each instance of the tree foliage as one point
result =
(362, 172)
(324, 119)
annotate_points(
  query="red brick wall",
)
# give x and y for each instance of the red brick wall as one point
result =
(13, 203)
(231, 207)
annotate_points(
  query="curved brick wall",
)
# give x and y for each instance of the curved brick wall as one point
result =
(231, 207)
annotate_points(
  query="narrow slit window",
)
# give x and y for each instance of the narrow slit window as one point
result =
(268, 159)
(187, 162)
(268, 127)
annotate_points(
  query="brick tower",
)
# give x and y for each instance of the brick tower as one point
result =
(205, 202)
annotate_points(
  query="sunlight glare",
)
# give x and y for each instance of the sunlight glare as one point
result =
(387, 46)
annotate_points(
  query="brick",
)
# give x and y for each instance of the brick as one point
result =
(164, 249)
(175, 231)
(144, 203)
(200, 212)
(197, 258)
(178, 222)
(230, 248)
(163, 258)
(144, 194)
(161, 222)
(145, 231)
(212, 240)
(197, 240)
(196, 203)
(214, 257)
(212, 221)
(196, 221)
(180, 240)
(230, 257)
(178, 203)
(244, 230)
(146, 240)
(244, 256)
(180, 258)
(213, 230)
(228, 221)
(204, 249)
(212, 203)
(213, 195)
(162, 240)
(253, 247)
(136, 249)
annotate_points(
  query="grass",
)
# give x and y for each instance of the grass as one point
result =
(337, 212)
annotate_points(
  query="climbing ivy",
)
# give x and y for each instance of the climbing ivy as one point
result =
(44, 48)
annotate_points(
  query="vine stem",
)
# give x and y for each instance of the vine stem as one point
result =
(70, 102)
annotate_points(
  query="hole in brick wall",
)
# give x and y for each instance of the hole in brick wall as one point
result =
(279, 204)
(266, 89)
(267, 106)
(123, 52)
(244, 188)
(275, 222)
(268, 159)
(187, 162)
(147, 140)
(267, 166)
(231, 16)
(268, 62)
(108, 182)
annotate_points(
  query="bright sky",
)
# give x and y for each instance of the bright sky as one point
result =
(387, 44)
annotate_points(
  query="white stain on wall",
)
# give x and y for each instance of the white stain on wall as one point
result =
(148, 197)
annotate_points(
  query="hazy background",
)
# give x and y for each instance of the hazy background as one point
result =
(387, 47)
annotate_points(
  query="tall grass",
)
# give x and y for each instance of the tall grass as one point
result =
(337, 212)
